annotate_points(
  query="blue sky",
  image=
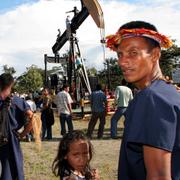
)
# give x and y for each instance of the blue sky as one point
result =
(29, 28)
(6, 5)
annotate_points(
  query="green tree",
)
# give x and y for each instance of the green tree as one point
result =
(111, 75)
(9, 70)
(92, 71)
(170, 60)
(31, 80)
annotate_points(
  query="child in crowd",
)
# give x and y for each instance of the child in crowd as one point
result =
(73, 158)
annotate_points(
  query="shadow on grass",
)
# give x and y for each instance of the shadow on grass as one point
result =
(106, 135)
(54, 139)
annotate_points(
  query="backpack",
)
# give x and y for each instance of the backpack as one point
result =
(4, 121)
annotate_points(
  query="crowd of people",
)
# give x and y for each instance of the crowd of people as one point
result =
(150, 147)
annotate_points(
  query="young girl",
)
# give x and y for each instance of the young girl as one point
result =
(73, 158)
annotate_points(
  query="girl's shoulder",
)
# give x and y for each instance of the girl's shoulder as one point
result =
(74, 176)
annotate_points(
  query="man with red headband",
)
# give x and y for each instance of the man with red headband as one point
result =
(150, 148)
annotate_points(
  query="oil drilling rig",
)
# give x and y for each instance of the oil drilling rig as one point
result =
(75, 71)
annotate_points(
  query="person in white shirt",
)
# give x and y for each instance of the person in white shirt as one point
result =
(123, 95)
(63, 102)
(31, 103)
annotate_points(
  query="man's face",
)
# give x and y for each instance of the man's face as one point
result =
(6, 92)
(67, 89)
(45, 92)
(136, 60)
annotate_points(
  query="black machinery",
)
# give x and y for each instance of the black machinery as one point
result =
(76, 71)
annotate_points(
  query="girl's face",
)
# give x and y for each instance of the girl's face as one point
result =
(78, 155)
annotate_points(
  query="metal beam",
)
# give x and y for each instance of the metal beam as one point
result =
(55, 59)
(75, 23)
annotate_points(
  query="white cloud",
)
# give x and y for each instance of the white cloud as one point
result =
(29, 31)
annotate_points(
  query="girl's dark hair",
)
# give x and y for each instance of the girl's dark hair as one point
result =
(6, 80)
(60, 166)
(142, 24)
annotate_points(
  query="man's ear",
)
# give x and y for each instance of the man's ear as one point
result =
(156, 54)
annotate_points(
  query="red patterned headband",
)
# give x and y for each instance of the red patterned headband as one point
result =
(112, 41)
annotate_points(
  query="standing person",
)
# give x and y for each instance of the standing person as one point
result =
(31, 103)
(123, 95)
(82, 103)
(47, 115)
(63, 102)
(13, 115)
(98, 102)
(150, 147)
(106, 91)
(73, 158)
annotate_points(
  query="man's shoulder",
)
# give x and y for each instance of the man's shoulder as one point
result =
(161, 90)
(123, 88)
(20, 103)
(17, 100)
(29, 102)
(162, 87)
(97, 93)
(61, 92)
(100, 91)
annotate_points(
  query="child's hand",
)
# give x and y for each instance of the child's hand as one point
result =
(95, 174)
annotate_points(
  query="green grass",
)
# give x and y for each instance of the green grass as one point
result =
(37, 164)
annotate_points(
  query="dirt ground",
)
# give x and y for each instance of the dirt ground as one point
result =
(37, 164)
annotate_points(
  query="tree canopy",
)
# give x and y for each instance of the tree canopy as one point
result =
(170, 60)
(111, 75)
(31, 80)
(9, 70)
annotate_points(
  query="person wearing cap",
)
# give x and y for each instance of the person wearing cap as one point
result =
(150, 148)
